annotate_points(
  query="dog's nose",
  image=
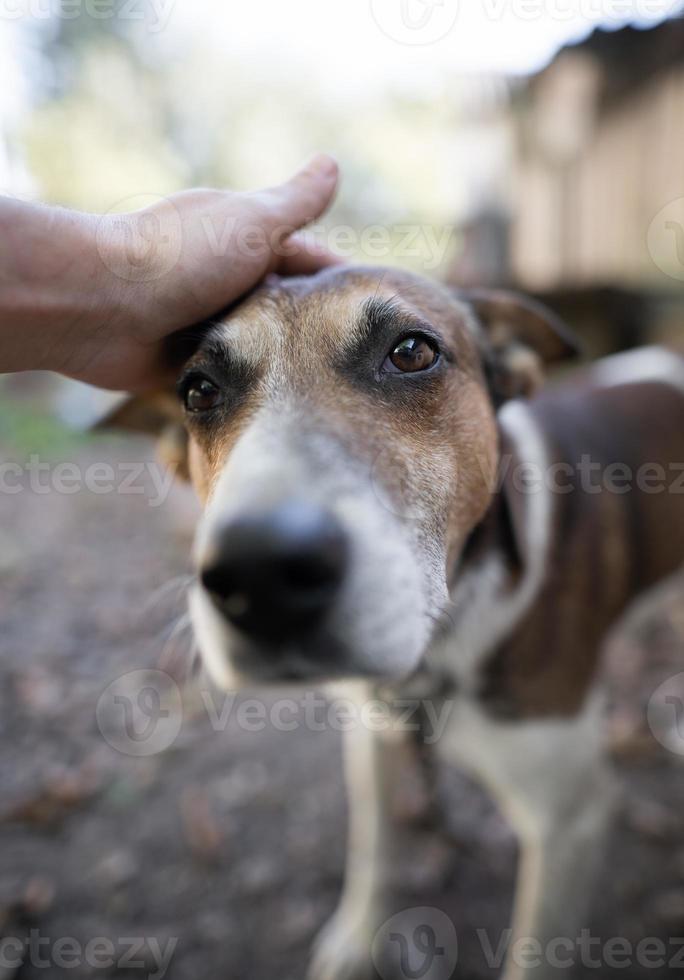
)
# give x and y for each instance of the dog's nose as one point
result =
(275, 574)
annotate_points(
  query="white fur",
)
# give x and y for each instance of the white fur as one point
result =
(549, 779)
(547, 775)
(257, 337)
(382, 612)
(531, 767)
(646, 364)
(212, 639)
(482, 609)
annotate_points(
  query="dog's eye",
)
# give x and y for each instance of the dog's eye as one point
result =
(201, 395)
(413, 353)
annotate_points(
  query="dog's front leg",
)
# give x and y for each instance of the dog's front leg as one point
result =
(554, 785)
(562, 809)
(560, 856)
(343, 948)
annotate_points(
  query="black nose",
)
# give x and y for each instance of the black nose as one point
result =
(275, 574)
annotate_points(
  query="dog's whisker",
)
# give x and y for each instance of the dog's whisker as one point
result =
(403, 292)
(175, 586)
(443, 620)
(380, 282)
(171, 658)
(177, 627)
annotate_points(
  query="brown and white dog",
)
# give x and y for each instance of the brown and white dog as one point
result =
(389, 501)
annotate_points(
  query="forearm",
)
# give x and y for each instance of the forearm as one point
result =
(95, 297)
(53, 284)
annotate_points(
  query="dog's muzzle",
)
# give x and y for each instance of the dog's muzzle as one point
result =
(275, 574)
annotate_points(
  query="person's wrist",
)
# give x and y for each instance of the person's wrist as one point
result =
(138, 251)
(53, 297)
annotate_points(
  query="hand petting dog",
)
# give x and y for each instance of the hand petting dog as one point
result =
(94, 297)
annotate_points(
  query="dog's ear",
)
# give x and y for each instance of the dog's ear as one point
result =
(156, 413)
(521, 336)
(524, 503)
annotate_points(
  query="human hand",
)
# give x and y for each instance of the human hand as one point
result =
(100, 308)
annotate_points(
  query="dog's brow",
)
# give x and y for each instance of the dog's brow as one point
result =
(223, 345)
(221, 353)
(215, 350)
(382, 315)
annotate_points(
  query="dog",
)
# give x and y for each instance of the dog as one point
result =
(393, 500)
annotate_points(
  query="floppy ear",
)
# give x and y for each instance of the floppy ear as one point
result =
(157, 413)
(521, 337)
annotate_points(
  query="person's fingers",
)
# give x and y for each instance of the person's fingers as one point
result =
(303, 257)
(306, 195)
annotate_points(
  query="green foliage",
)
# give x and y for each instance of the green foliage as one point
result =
(25, 430)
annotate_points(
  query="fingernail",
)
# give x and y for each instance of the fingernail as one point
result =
(323, 164)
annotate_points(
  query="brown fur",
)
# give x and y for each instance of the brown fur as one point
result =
(607, 547)
(443, 445)
(436, 446)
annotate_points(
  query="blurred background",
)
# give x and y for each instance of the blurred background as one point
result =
(535, 145)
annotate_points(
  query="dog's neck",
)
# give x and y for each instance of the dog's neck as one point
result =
(501, 569)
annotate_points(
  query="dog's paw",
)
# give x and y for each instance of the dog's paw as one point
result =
(342, 950)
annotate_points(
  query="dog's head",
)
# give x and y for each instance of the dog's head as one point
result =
(343, 438)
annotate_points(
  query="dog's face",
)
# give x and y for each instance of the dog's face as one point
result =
(343, 439)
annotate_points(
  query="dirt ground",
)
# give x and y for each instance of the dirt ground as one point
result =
(227, 848)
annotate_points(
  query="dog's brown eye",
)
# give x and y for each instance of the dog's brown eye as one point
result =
(202, 395)
(414, 353)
